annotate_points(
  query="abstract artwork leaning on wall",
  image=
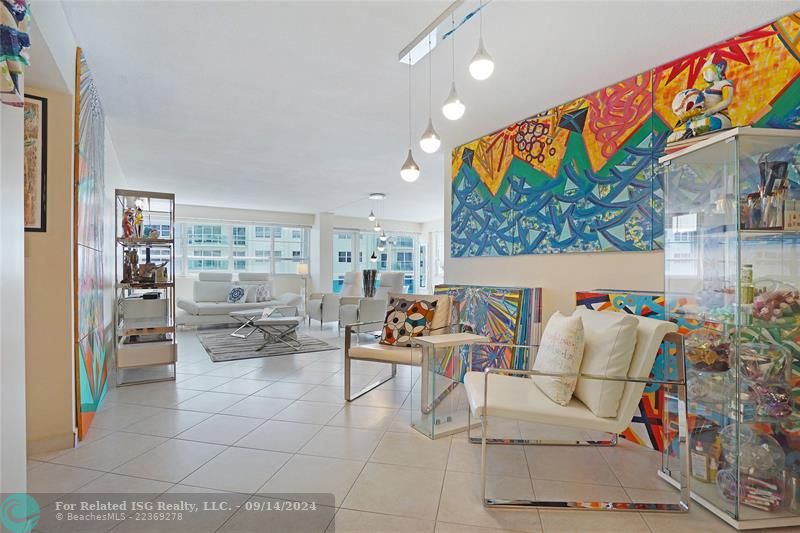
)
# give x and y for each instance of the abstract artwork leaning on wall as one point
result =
(91, 365)
(580, 177)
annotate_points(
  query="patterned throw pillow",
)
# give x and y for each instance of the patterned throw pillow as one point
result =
(406, 319)
(236, 295)
(262, 293)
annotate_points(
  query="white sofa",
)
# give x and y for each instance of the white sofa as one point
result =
(209, 304)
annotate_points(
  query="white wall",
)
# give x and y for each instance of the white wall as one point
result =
(559, 275)
(228, 214)
(12, 302)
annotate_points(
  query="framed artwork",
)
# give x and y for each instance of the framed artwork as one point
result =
(35, 169)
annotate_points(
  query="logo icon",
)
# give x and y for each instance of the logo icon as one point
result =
(19, 513)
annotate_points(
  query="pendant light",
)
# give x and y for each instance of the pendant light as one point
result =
(381, 246)
(482, 64)
(373, 258)
(429, 142)
(410, 170)
(383, 237)
(453, 108)
(371, 216)
(377, 228)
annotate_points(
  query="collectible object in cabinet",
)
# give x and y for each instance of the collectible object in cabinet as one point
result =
(145, 288)
(732, 264)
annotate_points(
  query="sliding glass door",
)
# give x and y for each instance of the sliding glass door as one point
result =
(355, 250)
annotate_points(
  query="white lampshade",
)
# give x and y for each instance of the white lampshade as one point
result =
(371, 216)
(429, 142)
(373, 258)
(381, 247)
(302, 269)
(482, 64)
(410, 169)
(377, 228)
(453, 108)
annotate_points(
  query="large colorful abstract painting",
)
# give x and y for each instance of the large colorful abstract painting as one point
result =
(507, 315)
(647, 427)
(581, 177)
(91, 365)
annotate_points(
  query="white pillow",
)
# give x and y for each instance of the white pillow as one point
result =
(561, 351)
(236, 295)
(610, 339)
(262, 293)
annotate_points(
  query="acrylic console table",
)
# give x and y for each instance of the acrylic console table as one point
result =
(438, 403)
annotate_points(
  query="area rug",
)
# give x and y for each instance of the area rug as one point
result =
(222, 347)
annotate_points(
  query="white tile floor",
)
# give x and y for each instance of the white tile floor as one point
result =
(280, 424)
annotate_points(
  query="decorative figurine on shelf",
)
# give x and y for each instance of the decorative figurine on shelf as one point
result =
(133, 262)
(138, 223)
(153, 234)
(127, 270)
(127, 223)
(701, 112)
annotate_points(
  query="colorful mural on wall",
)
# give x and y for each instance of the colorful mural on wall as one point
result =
(580, 177)
(507, 315)
(647, 427)
(90, 346)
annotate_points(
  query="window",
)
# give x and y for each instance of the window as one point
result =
(205, 234)
(262, 254)
(240, 247)
(239, 264)
(239, 236)
(404, 261)
(196, 263)
(399, 253)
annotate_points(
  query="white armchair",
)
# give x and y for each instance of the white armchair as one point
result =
(370, 310)
(503, 393)
(325, 306)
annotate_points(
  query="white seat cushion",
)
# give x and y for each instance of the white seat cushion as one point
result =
(519, 398)
(223, 308)
(561, 352)
(609, 341)
(387, 354)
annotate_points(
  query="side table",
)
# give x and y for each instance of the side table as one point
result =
(446, 413)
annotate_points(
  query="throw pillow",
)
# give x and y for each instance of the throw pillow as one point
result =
(262, 293)
(236, 295)
(610, 339)
(406, 319)
(561, 351)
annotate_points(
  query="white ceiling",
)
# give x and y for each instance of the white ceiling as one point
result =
(302, 106)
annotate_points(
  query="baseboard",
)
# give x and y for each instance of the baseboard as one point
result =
(50, 443)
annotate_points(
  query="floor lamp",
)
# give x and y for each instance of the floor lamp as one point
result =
(302, 270)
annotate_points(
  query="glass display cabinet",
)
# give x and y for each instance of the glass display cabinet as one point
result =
(732, 284)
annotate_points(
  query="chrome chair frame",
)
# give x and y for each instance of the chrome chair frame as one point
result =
(683, 442)
(426, 406)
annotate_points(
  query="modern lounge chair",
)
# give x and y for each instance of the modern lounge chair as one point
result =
(511, 394)
(392, 355)
(325, 306)
(370, 310)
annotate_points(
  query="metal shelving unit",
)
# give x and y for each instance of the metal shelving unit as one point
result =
(144, 272)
